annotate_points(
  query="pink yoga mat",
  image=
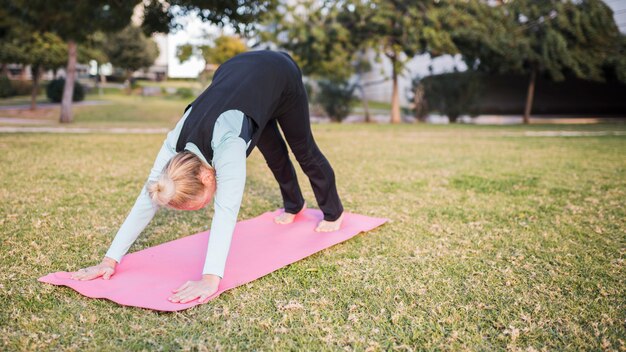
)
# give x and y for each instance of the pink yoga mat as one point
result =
(259, 246)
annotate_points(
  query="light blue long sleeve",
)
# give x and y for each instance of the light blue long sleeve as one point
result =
(229, 161)
(144, 209)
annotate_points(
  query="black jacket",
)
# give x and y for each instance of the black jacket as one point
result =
(258, 83)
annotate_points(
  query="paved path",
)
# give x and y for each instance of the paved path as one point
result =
(17, 120)
(563, 133)
(52, 105)
(162, 130)
(112, 130)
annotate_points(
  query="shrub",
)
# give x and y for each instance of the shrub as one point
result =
(452, 94)
(54, 91)
(22, 87)
(6, 88)
(336, 98)
(184, 92)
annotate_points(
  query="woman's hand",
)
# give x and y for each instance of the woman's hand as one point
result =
(191, 290)
(105, 269)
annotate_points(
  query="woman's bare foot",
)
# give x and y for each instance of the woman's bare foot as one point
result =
(287, 218)
(329, 226)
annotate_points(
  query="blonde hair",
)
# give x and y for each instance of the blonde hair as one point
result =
(180, 181)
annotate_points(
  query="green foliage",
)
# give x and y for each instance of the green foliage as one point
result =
(399, 30)
(328, 39)
(311, 32)
(130, 49)
(93, 48)
(6, 89)
(45, 50)
(185, 92)
(10, 88)
(185, 52)
(336, 98)
(552, 37)
(224, 47)
(54, 90)
(69, 19)
(242, 15)
(451, 94)
(156, 17)
(22, 87)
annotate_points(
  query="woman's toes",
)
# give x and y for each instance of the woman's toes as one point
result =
(284, 218)
(329, 226)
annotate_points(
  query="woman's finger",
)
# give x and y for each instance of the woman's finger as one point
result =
(186, 293)
(182, 287)
(180, 295)
(189, 298)
(190, 294)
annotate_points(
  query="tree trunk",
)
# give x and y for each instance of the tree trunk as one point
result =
(418, 101)
(453, 118)
(128, 83)
(395, 99)
(68, 90)
(97, 79)
(35, 72)
(530, 95)
(366, 108)
(23, 73)
(103, 80)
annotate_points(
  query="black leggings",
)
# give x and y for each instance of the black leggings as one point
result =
(296, 126)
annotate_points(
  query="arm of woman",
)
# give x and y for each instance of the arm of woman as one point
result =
(140, 215)
(144, 209)
(229, 161)
(230, 174)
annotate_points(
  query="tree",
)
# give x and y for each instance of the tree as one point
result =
(10, 49)
(311, 32)
(325, 36)
(41, 51)
(242, 15)
(400, 31)
(44, 51)
(93, 49)
(130, 50)
(224, 47)
(73, 21)
(551, 38)
(323, 47)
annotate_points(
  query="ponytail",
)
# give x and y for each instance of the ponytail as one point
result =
(179, 182)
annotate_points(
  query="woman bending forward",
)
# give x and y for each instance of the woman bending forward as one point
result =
(204, 157)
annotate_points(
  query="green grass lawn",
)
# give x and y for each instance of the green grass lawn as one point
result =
(23, 100)
(171, 84)
(495, 243)
(131, 111)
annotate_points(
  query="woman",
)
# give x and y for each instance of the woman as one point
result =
(205, 155)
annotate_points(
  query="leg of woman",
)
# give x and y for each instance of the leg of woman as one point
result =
(274, 150)
(296, 126)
